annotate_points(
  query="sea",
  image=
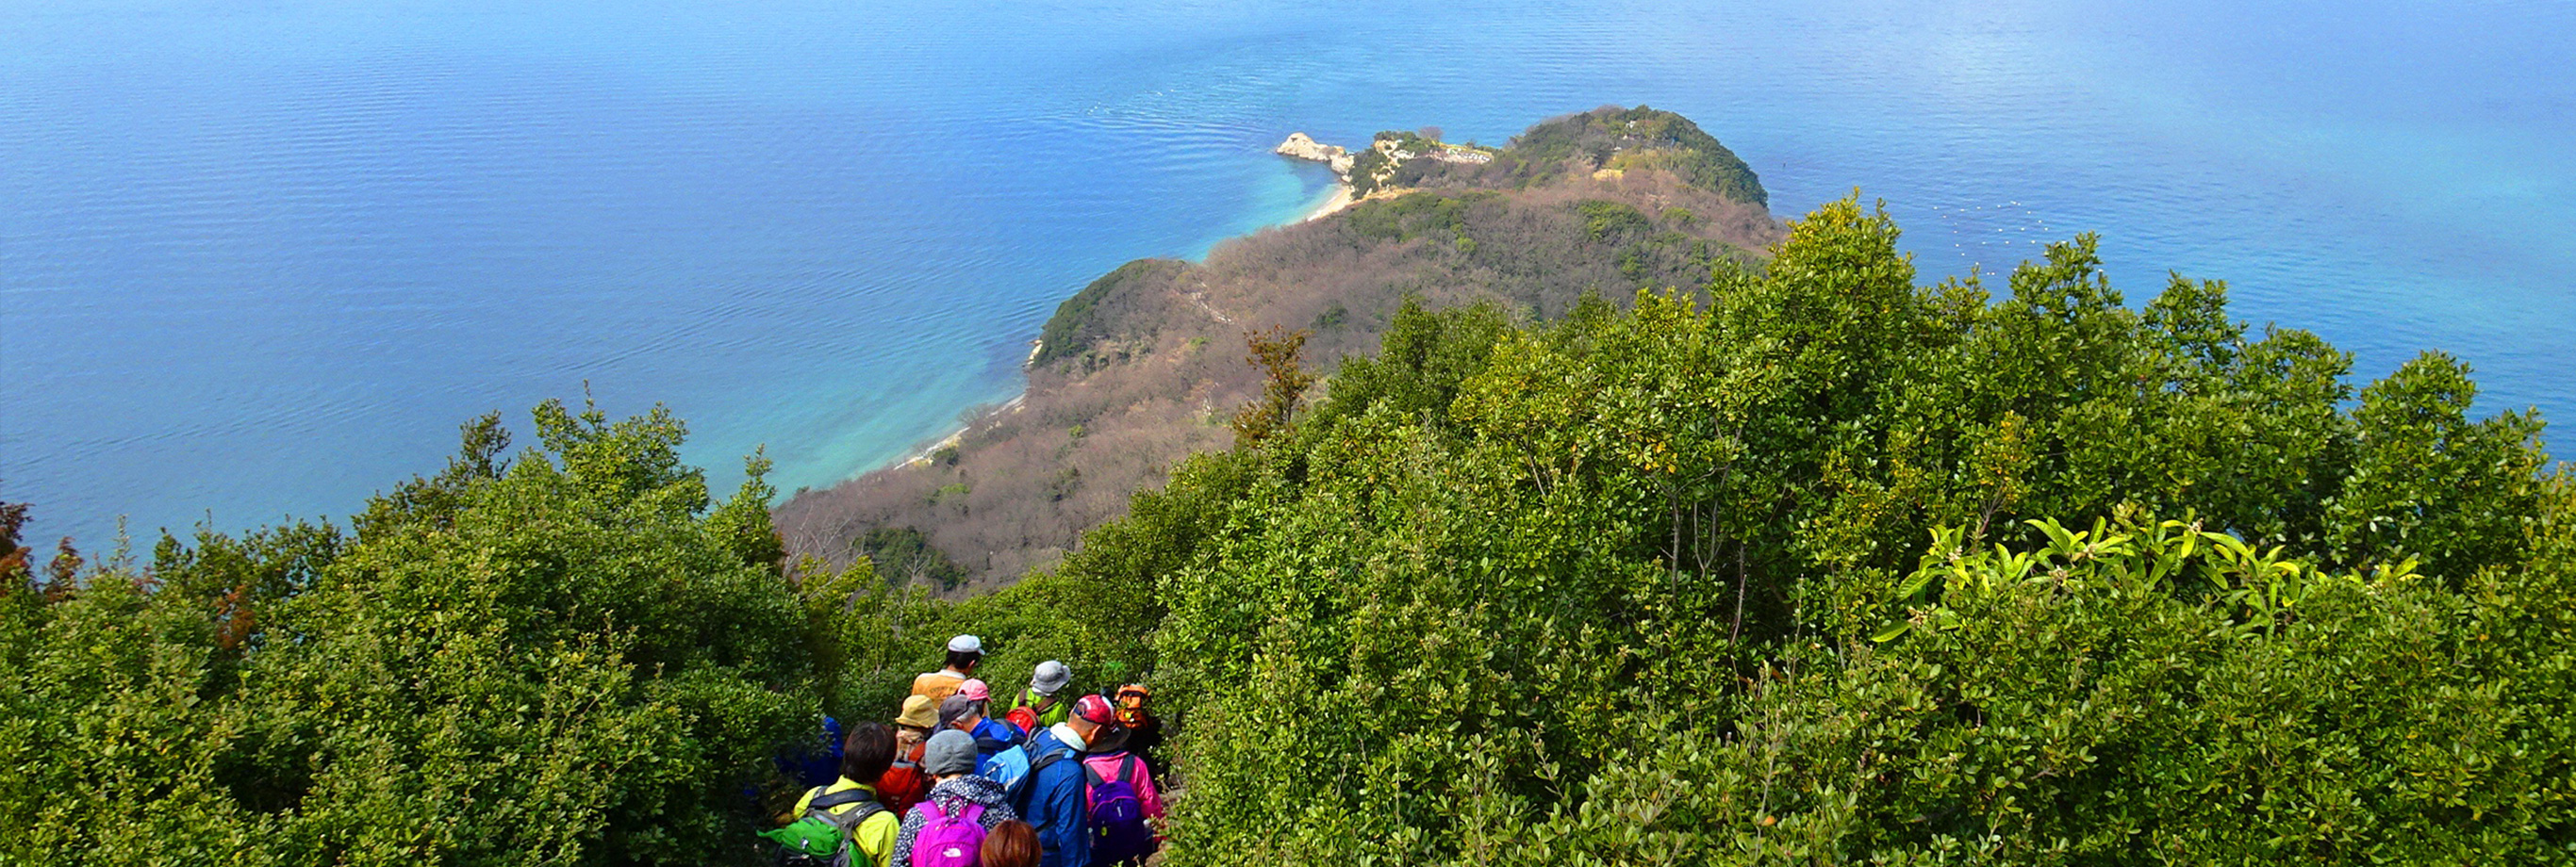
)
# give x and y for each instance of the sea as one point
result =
(261, 258)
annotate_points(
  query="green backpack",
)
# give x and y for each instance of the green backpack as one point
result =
(822, 837)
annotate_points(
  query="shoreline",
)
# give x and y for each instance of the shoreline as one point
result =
(922, 457)
(1300, 146)
(1341, 198)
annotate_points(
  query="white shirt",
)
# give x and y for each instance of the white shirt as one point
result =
(1064, 732)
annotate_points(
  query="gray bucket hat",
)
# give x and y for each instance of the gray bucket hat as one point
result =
(1051, 678)
(949, 752)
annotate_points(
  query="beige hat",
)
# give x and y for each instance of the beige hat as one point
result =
(919, 712)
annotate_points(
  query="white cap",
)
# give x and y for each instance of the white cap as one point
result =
(965, 644)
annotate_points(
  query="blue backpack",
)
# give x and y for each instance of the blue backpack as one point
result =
(1118, 831)
(1017, 770)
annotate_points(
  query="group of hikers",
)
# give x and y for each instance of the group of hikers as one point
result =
(1054, 781)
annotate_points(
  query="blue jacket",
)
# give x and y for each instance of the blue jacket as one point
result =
(1055, 805)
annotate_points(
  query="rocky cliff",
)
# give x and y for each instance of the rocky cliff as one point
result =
(1301, 146)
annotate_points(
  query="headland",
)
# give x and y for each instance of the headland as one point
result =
(1145, 365)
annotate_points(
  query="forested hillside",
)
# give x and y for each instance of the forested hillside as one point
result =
(1813, 563)
(1840, 568)
(1145, 366)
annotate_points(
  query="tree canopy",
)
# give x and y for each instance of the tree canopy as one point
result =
(1781, 577)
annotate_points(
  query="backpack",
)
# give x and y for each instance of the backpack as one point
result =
(1008, 768)
(1017, 771)
(821, 837)
(948, 841)
(1118, 830)
(1025, 719)
(1011, 766)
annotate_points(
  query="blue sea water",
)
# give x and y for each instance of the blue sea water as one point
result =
(260, 257)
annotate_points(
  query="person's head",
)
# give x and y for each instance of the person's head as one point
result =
(975, 689)
(1107, 741)
(960, 713)
(964, 653)
(1050, 678)
(1092, 713)
(949, 753)
(919, 712)
(1131, 705)
(867, 752)
(1011, 844)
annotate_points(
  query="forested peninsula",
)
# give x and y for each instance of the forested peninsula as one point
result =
(1146, 365)
(1561, 508)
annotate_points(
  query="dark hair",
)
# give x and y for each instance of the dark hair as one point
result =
(1012, 844)
(867, 753)
(962, 660)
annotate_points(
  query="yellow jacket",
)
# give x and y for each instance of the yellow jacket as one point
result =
(875, 834)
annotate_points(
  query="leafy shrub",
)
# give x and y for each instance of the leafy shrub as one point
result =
(563, 658)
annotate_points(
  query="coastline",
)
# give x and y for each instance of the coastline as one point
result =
(1300, 146)
(1341, 198)
(922, 457)
(1338, 201)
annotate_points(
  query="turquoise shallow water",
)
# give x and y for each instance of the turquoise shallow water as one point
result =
(260, 258)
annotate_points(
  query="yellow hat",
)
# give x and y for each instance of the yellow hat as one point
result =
(919, 712)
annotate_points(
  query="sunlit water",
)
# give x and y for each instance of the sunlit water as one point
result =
(261, 258)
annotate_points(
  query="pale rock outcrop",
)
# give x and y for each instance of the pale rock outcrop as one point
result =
(1303, 147)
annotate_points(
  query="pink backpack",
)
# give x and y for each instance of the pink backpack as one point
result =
(948, 841)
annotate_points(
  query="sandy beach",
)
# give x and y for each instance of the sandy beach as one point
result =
(1342, 198)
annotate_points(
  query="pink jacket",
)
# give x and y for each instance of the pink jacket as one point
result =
(1107, 766)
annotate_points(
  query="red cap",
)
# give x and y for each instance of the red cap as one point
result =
(1095, 709)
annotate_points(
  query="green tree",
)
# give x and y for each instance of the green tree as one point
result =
(2426, 482)
(564, 657)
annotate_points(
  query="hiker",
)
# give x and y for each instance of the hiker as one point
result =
(1125, 808)
(818, 765)
(1040, 698)
(991, 735)
(1012, 844)
(1144, 731)
(965, 715)
(1052, 798)
(964, 653)
(949, 828)
(906, 783)
(851, 804)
